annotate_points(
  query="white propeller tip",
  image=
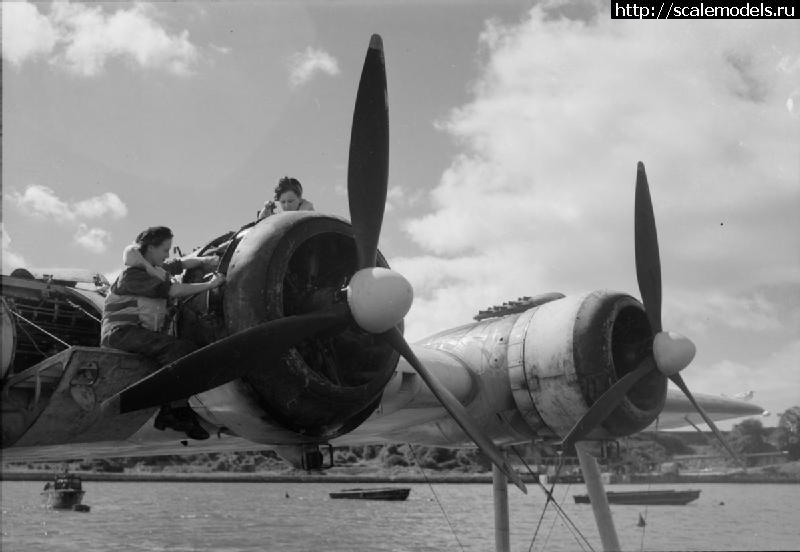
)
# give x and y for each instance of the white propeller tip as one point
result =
(379, 298)
(672, 352)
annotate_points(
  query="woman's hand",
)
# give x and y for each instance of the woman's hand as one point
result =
(216, 280)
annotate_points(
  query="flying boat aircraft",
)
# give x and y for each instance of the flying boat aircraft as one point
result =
(303, 349)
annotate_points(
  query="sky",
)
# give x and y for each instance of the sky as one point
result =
(515, 129)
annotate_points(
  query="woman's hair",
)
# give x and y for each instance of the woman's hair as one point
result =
(155, 236)
(288, 184)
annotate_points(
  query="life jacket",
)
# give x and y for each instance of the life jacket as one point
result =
(133, 310)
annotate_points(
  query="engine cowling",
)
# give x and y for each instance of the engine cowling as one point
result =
(285, 265)
(565, 354)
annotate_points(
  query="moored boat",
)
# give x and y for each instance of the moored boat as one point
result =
(65, 492)
(665, 497)
(384, 493)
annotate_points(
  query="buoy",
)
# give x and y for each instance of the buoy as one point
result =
(287, 495)
(641, 522)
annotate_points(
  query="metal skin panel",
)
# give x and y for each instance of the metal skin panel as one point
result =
(480, 349)
(406, 390)
(408, 403)
(235, 407)
(72, 413)
(517, 378)
(550, 375)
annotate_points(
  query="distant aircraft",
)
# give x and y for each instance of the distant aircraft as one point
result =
(303, 350)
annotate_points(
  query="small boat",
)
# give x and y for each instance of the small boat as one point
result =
(569, 478)
(384, 493)
(661, 497)
(65, 492)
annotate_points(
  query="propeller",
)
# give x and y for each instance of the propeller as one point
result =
(225, 360)
(671, 352)
(368, 163)
(377, 298)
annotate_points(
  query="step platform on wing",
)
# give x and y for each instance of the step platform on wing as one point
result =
(58, 400)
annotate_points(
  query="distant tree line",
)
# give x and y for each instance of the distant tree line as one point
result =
(788, 433)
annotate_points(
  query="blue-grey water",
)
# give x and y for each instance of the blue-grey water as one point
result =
(233, 517)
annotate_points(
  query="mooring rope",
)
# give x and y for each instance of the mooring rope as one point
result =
(436, 496)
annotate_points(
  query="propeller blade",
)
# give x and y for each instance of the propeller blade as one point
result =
(368, 165)
(678, 380)
(225, 360)
(456, 410)
(607, 402)
(648, 265)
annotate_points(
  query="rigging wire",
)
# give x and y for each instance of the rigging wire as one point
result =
(18, 315)
(436, 496)
(574, 530)
(649, 484)
(555, 518)
(547, 502)
(84, 311)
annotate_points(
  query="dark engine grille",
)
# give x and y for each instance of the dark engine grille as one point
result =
(63, 316)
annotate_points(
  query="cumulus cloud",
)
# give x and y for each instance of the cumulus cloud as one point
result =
(303, 66)
(11, 259)
(540, 198)
(98, 206)
(43, 202)
(82, 38)
(92, 239)
(27, 34)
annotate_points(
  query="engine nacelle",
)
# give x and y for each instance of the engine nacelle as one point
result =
(290, 264)
(565, 354)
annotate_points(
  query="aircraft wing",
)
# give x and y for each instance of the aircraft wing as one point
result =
(679, 412)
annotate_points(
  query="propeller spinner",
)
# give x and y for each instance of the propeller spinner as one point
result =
(671, 352)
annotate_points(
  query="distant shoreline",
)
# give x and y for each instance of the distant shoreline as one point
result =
(264, 477)
(240, 477)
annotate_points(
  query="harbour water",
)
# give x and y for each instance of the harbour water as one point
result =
(299, 517)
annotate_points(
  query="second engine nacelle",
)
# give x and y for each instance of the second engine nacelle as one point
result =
(563, 355)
